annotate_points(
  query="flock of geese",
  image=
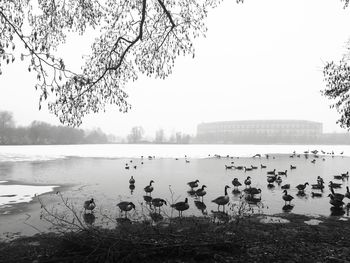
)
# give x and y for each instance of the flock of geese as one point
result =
(251, 194)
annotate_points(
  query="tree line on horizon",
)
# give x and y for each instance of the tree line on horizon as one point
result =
(39, 132)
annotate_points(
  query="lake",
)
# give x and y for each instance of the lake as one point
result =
(81, 172)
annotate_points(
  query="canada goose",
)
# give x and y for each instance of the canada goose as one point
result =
(181, 206)
(292, 167)
(135, 166)
(89, 205)
(132, 180)
(335, 202)
(336, 195)
(201, 192)
(158, 202)
(301, 187)
(317, 186)
(345, 174)
(149, 188)
(193, 184)
(334, 185)
(320, 180)
(272, 172)
(229, 167)
(271, 179)
(252, 191)
(222, 200)
(313, 194)
(127, 167)
(286, 186)
(282, 173)
(247, 181)
(236, 183)
(347, 194)
(126, 206)
(262, 166)
(286, 197)
(279, 180)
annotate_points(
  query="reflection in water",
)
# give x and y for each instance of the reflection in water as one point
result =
(191, 192)
(132, 188)
(89, 218)
(314, 194)
(337, 211)
(201, 206)
(287, 208)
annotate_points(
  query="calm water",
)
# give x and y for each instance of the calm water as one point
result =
(98, 171)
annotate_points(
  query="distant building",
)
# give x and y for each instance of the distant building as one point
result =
(260, 131)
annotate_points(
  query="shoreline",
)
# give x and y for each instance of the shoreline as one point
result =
(190, 239)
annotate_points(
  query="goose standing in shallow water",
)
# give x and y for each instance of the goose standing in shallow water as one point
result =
(335, 202)
(126, 206)
(286, 197)
(193, 184)
(89, 205)
(132, 180)
(149, 188)
(334, 185)
(336, 195)
(181, 206)
(301, 187)
(201, 192)
(222, 200)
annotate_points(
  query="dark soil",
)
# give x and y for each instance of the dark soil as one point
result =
(190, 240)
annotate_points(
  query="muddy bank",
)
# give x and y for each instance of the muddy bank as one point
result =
(192, 239)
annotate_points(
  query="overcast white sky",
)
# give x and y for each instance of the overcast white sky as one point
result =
(261, 60)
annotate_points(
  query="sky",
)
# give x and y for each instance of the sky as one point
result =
(260, 60)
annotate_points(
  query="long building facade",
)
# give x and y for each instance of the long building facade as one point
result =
(260, 131)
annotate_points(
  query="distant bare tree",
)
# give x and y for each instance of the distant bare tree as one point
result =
(136, 134)
(159, 136)
(7, 124)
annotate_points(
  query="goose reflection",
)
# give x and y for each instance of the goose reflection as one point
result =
(191, 192)
(201, 206)
(132, 188)
(148, 199)
(89, 218)
(337, 211)
(287, 208)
